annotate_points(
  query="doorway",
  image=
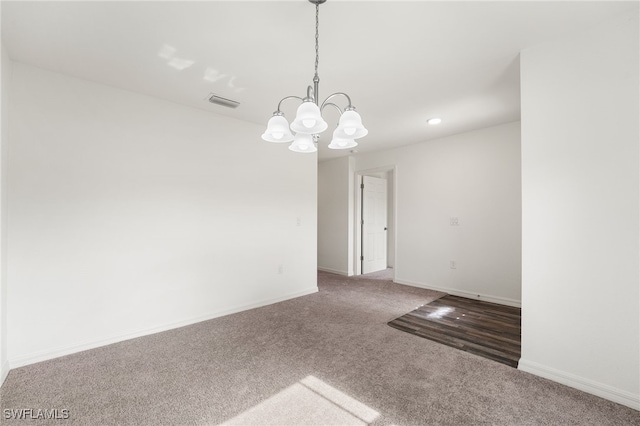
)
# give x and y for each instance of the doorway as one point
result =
(373, 224)
(375, 220)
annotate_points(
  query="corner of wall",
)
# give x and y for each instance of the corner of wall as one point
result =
(350, 221)
(333, 216)
(334, 271)
(5, 75)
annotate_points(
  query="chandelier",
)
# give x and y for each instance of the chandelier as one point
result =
(309, 123)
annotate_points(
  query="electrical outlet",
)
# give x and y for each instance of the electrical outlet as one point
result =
(453, 264)
(299, 221)
(280, 269)
(454, 221)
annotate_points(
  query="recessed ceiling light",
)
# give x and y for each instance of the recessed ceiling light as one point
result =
(434, 121)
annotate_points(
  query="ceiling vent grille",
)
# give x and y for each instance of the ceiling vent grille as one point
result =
(219, 100)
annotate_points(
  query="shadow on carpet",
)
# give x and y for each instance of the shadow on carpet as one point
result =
(486, 329)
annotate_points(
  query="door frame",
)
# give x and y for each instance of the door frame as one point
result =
(357, 209)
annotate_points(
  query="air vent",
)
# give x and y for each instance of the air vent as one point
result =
(218, 100)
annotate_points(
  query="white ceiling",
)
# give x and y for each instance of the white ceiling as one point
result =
(401, 62)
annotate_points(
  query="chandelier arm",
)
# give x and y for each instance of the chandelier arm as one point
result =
(338, 94)
(326, 104)
(286, 98)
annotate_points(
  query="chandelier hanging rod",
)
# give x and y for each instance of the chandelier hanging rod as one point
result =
(309, 123)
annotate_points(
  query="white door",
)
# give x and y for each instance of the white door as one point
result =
(374, 224)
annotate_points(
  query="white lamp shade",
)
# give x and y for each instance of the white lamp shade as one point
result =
(277, 130)
(303, 143)
(308, 119)
(350, 126)
(341, 143)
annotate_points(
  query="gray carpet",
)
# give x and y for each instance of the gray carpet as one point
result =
(385, 274)
(326, 358)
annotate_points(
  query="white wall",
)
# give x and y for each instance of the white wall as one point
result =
(129, 215)
(474, 176)
(580, 174)
(4, 91)
(335, 190)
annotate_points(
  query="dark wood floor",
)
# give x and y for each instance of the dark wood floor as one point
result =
(482, 328)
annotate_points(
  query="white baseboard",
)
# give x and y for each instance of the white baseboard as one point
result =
(580, 383)
(67, 350)
(4, 372)
(469, 295)
(333, 271)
